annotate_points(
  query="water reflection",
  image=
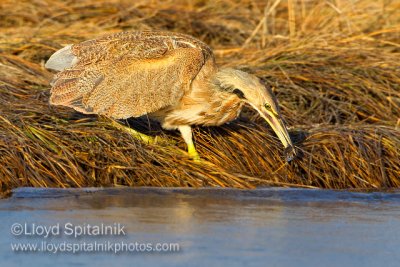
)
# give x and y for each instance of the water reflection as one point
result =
(283, 227)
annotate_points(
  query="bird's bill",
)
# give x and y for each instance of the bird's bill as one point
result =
(277, 124)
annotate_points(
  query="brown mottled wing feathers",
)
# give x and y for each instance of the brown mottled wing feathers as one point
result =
(129, 74)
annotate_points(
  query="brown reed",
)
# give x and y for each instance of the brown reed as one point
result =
(334, 66)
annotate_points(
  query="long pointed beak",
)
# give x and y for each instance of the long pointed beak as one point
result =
(277, 124)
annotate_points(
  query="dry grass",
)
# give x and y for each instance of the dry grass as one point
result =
(333, 64)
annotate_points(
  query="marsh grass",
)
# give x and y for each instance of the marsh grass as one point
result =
(334, 65)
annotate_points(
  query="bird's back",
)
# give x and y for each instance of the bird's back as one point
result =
(138, 45)
(126, 74)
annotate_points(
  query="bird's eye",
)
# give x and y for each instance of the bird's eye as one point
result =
(267, 106)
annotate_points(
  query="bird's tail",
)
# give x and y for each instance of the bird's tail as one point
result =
(61, 59)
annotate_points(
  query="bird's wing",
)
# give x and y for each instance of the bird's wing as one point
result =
(127, 74)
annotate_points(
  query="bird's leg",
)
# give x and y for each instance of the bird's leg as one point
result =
(186, 132)
(141, 136)
(136, 134)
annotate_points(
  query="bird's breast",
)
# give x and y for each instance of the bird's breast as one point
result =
(222, 111)
(207, 112)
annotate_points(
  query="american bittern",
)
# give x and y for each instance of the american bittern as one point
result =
(171, 77)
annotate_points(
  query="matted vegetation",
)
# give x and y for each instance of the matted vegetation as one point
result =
(334, 66)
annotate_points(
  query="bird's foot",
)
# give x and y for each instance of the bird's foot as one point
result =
(193, 153)
(141, 136)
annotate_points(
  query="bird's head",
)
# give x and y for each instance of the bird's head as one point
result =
(252, 91)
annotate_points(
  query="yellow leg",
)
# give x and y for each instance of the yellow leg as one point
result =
(141, 136)
(193, 152)
(186, 132)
